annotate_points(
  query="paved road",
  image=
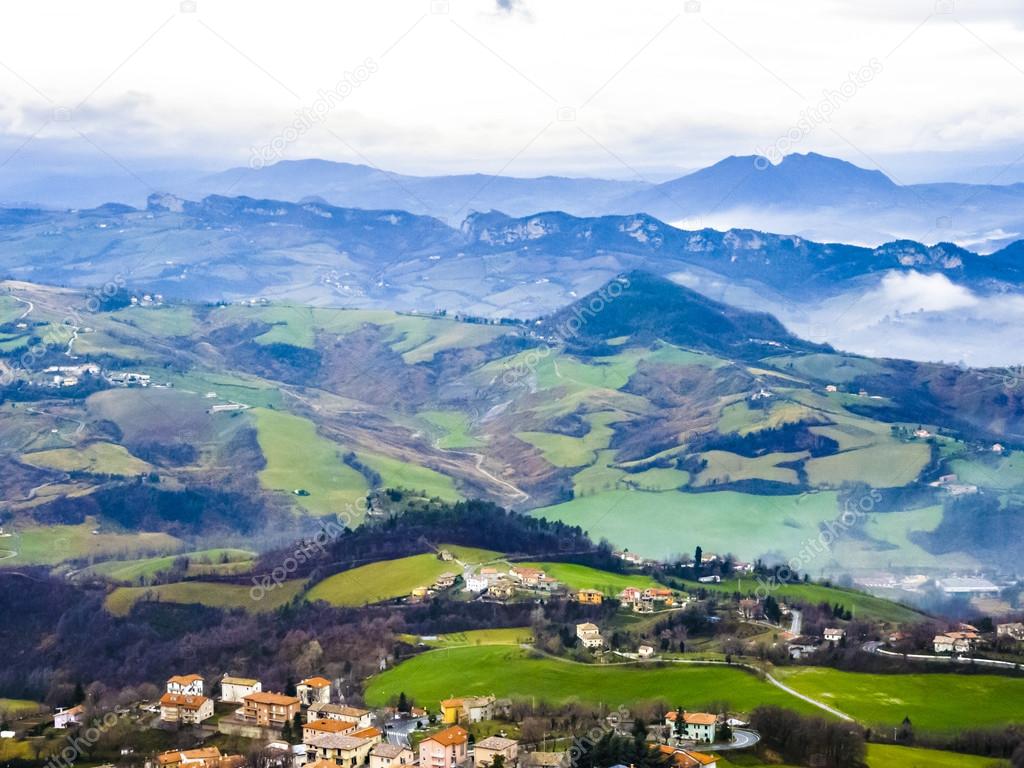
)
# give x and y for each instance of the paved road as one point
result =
(743, 738)
(876, 647)
(398, 730)
(798, 623)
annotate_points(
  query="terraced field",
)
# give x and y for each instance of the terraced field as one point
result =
(201, 563)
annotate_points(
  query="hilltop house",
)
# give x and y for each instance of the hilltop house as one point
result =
(355, 716)
(186, 709)
(386, 755)
(485, 751)
(189, 685)
(445, 749)
(314, 690)
(696, 726)
(268, 709)
(234, 689)
(589, 635)
(65, 718)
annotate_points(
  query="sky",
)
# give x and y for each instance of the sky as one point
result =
(921, 89)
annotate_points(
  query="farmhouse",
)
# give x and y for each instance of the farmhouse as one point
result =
(486, 750)
(528, 577)
(65, 718)
(469, 709)
(445, 749)
(445, 580)
(386, 755)
(234, 689)
(190, 685)
(956, 642)
(267, 709)
(314, 690)
(645, 652)
(834, 634)
(590, 596)
(589, 635)
(182, 708)
(696, 726)
(802, 646)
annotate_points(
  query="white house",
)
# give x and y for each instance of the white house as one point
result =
(386, 755)
(183, 708)
(956, 642)
(696, 726)
(1014, 630)
(645, 651)
(354, 716)
(65, 718)
(234, 689)
(834, 634)
(314, 690)
(187, 685)
(589, 635)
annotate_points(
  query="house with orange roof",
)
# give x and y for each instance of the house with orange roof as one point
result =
(444, 749)
(688, 758)
(185, 709)
(342, 749)
(204, 757)
(696, 726)
(65, 718)
(326, 726)
(268, 710)
(314, 690)
(355, 716)
(190, 685)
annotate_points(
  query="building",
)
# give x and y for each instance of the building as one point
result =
(968, 585)
(205, 757)
(544, 760)
(445, 749)
(269, 710)
(645, 651)
(803, 646)
(65, 718)
(834, 634)
(528, 577)
(956, 642)
(590, 596)
(751, 609)
(687, 758)
(503, 589)
(831, 388)
(386, 755)
(185, 709)
(589, 635)
(234, 689)
(445, 580)
(1015, 630)
(314, 690)
(468, 709)
(360, 718)
(697, 726)
(314, 727)
(485, 751)
(190, 685)
(342, 749)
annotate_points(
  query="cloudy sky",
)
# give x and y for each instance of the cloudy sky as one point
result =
(621, 89)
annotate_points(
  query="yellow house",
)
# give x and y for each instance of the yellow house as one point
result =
(589, 596)
(451, 709)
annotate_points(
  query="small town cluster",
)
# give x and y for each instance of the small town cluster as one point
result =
(310, 729)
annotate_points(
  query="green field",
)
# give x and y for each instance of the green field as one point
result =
(390, 579)
(201, 562)
(659, 525)
(583, 577)
(725, 467)
(889, 756)
(567, 451)
(933, 702)
(887, 464)
(49, 545)
(501, 636)
(400, 474)
(512, 672)
(97, 458)
(299, 458)
(158, 321)
(213, 594)
(863, 606)
(1002, 474)
(453, 429)
(19, 707)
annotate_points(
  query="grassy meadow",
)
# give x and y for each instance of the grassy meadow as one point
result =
(213, 594)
